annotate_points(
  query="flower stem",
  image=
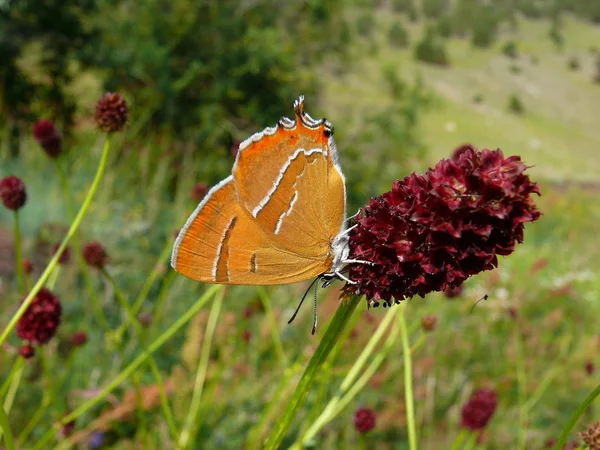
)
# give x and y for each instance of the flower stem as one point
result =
(330, 339)
(131, 368)
(5, 427)
(89, 286)
(54, 260)
(458, 442)
(18, 255)
(266, 302)
(15, 380)
(564, 435)
(154, 368)
(192, 417)
(522, 383)
(408, 387)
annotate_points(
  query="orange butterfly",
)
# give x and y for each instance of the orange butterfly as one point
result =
(278, 218)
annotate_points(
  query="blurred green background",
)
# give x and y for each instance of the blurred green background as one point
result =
(404, 82)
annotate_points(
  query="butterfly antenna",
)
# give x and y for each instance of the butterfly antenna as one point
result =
(314, 328)
(302, 301)
(485, 297)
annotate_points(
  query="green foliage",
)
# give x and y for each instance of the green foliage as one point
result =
(478, 98)
(445, 26)
(510, 49)
(515, 69)
(365, 24)
(430, 49)
(573, 63)
(485, 27)
(515, 104)
(556, 35)
(398, 35)
(433, 9)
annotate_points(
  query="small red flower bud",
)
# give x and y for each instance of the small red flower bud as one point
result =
(78, 338)
(95, 255)
(479, 409)
(111, 113)
(27, 266)
(246, 335)
(27, 351)
(198, 192)
(590, 368)
(12, 192)
(48, 136)
(429, 322)
(41, 318)
(145, 318)
(65, 256)
(364, 420)
(434, 231)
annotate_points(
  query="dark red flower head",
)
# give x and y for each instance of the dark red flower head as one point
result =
(95, 255)
(479, 409)
(65, 256)
(12, 192)
(198, 192)
(78, 338)
(41, 318)
(111, 113)
(460, 150)
(433, 231)
(48, 136)
(364, 419)
(27, 351)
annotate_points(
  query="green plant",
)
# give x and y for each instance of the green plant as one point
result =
(430, 49)
(515, 104)
(398, 35)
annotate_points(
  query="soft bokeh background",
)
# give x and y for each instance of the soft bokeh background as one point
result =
(404, 82)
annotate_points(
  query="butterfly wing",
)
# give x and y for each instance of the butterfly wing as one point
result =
(222, 243)
(289, 180)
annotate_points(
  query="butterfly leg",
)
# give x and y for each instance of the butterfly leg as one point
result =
(344, 278)
(358, 261)
(346, 231)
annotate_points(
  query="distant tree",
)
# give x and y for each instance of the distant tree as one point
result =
(484, 27)
(403, 6)
(365, 24)
(510, 49)
(444, 26)
(398, 35)
(515, 105)
(430, 49)
(556, 35)
(574, 63)
(434, 8)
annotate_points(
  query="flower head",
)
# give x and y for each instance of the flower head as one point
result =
(12, 192)
(198, 192)
(460, 150)
(78, 338)
(111, 113)
(27, 351)
(429, 322)
(27, 266)
(433, 231)
(48, 136)
(364, 419)
(41, 319)
(479, 409)
(591, 436)
(65, 256)
(95, 255)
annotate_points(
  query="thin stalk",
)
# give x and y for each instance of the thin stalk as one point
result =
(5, 428)
(164, 401)
(131, 368)
(408, 385)
(330, 339)
(18, 255)
(12, 390)
(266, 302)
(472, 441)
(139, 301)
(15, 368)
(192, 417)
(458, 442)
(564, 435)
(87, 279)
(54, 260)
(522, 384)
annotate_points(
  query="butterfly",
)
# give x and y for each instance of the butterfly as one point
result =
(280, 216)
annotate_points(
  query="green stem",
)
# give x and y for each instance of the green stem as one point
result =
(89, 286)
(330, 339)
(5, 427)
(564, 435)
(333, 407)
(522, 384)
(139, 301)
(154, 368)
(131, 368)
(54, 260)
(15, 368)
(472, 440)
(12, 390)
(408, 386)
(266, 302)
(192, 416)
(458, 442)
(18, 255)
(35, 418)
